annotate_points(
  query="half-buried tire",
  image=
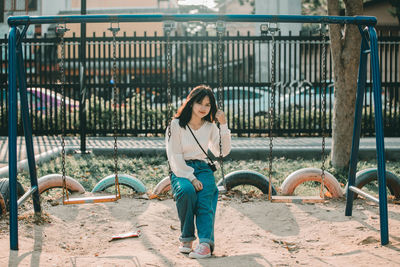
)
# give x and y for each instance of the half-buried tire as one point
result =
(56, 181)
(364, 177)
(5, 193)
(311, 174)
(2, 205)
(163, 186)
(123, 179)
(247, 177)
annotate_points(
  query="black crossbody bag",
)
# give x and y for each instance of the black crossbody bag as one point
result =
(211, 163)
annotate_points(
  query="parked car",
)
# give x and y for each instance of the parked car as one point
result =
(303, 93)
(46, 98)
(42, 99)
(254, 100)
(246, 99)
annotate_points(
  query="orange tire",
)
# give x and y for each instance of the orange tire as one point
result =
(162, 187)
(311, 174)
(2, 205)
(56, 181)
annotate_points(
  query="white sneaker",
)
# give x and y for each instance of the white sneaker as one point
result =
(201, 251)
(185, 247)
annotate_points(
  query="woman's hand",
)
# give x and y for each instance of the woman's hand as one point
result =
(220, 116)
(198, 186)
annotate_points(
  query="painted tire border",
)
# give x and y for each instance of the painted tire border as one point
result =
(55, 181)
(366, 176)
(123, 179)
(162, 187)
(247, 177)
(5, 194)
(2, 205)
(311, 174)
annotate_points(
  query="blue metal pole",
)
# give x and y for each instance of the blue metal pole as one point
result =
(12, 136)
(358, 20)
(380, 145)
(82, 82)
(27, 125)
(362, 77)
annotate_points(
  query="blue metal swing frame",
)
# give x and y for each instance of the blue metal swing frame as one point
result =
(16, 71)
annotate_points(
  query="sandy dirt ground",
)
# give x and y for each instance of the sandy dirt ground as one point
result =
(248, 232)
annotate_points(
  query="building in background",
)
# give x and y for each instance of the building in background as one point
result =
(73, 7)
(263, 54)
(238, 7)
(381, 10)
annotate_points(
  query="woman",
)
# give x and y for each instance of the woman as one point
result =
(192, 179)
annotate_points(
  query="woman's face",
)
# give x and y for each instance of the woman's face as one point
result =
(201, 109)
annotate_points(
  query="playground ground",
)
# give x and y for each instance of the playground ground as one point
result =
(249, 231)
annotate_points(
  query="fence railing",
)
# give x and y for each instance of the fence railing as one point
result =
(141, 77)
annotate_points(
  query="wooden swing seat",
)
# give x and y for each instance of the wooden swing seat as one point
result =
(297, 199)
(87, 200)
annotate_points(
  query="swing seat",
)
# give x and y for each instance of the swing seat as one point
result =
(87, 200)
(297, 199)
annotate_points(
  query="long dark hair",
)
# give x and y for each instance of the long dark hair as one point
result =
(184, 113)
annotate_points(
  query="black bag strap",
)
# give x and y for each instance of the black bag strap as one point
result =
(200, 145)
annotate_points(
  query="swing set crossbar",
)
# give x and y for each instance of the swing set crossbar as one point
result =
(356, 20)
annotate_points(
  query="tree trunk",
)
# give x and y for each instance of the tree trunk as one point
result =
(345, 48)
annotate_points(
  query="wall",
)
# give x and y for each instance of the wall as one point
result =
(275, 7)
(234, 7)
(381, 12)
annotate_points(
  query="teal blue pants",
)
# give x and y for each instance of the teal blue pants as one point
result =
(199, 205)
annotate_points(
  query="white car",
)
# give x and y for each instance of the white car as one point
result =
(245, 100)
(254, 101)
(304, 93)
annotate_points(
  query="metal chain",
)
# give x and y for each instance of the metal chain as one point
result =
(115, 114)
(61, 30)
(220, 30)
(169, 90)
(271, 113)
(323, 88)
(220, 72)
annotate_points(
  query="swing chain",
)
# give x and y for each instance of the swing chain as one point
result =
(323, 88)
(61, 30)
(114, 31)
(168, 27)
(271, 114)
(220, 26)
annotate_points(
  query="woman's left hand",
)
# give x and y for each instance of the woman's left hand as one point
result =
(220, 116)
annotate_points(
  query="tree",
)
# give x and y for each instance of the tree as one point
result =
(345, 48)
(314, 7)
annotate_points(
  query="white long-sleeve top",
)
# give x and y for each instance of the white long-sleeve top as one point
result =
(182, 145)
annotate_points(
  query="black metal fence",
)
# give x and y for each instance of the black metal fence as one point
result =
(141, 77)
